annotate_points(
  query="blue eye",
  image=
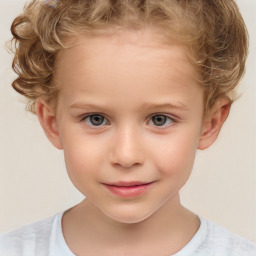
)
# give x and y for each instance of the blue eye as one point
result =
(95, 120)
(161, 120)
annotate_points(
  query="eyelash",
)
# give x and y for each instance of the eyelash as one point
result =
(172, 120)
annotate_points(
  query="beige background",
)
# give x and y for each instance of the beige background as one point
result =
(34, 183)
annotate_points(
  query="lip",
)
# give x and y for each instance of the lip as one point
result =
(128, 189)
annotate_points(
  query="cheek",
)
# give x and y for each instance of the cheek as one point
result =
(83, 155)
(175, 156)
(80, 157)
(82, 165)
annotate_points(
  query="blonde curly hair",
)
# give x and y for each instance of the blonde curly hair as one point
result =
(213, 30)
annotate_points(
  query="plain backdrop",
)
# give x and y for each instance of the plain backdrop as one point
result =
(33, 179)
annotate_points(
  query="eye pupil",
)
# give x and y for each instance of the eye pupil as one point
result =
(159, 120)
(96, 119)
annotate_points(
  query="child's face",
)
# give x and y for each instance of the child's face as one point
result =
(129, 110)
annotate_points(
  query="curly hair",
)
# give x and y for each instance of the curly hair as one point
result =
(213, 30)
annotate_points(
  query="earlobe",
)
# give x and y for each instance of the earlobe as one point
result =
(48, 122)
(213, 123)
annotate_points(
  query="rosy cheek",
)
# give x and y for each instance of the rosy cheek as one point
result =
(175, 157)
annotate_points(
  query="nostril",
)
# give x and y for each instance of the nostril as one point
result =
(126, 161)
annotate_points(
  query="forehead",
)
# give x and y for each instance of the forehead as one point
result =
(118, 64)
(143, 48)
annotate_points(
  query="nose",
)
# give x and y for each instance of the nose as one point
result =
(127, 149)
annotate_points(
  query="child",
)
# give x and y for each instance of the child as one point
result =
(129, 89)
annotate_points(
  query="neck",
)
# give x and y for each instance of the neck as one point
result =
(172, 222)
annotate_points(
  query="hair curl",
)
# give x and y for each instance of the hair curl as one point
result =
(214, 30)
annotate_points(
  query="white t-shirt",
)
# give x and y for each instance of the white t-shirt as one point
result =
(45, 238)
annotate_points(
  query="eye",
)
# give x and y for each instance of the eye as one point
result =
(162, 120)
(95, 120)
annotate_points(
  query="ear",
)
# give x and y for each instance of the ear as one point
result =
(48, 122)
(213, 122)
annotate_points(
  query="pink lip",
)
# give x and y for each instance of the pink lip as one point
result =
(128, 189)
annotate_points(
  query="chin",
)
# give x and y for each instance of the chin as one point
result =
(128, 219)
(128, 216)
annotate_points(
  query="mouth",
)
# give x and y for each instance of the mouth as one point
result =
(128, 189)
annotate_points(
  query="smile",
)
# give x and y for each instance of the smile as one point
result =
(128, 189)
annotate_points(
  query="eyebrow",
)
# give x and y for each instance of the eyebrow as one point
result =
(178, 105)
(148, 106)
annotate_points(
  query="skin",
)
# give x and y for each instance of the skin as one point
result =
(125, 78)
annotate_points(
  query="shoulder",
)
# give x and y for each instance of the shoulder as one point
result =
(27, 238)
(224, 242)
